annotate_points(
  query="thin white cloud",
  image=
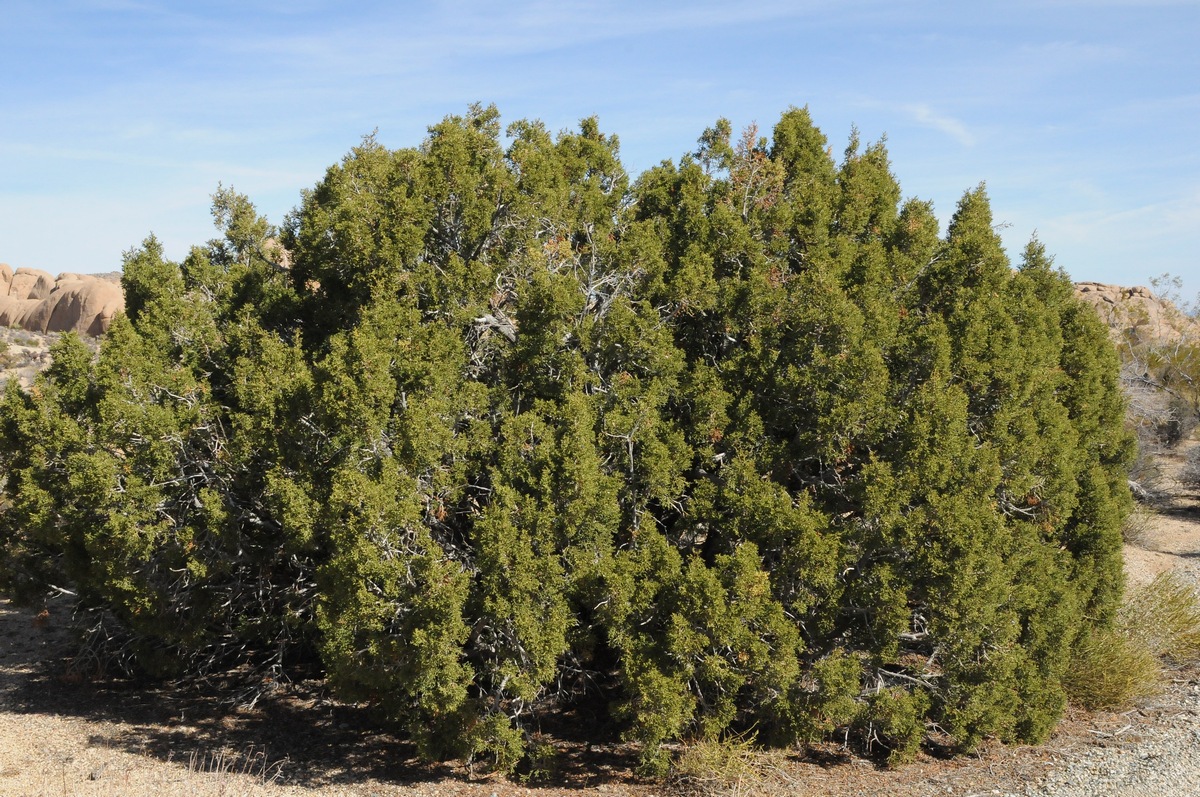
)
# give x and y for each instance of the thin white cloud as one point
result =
(1129, 245)
(121, 6)
(1169, 108)
(1073, 53)
(1171, 218)
(575, 22)
(924, 114)
(454, 31)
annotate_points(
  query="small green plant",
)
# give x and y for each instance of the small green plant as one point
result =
(896, 722)
(541, 760)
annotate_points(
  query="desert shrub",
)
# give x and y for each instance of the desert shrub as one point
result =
(1146, 476)
(1190, 472)
(1145, 409)
(1183, 422)
(742, 443)
(1138, 525)
(1161, 379)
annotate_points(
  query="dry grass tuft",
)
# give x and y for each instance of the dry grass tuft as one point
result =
(1159, 623)
(1164, 616)
(727, 767)
(252, 763)
(1110, 670)
(1138, 526)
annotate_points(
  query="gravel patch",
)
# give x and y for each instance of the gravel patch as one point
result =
(1158, 760)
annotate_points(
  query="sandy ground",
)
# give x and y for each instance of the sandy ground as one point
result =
(60, 736)
(1172, 538)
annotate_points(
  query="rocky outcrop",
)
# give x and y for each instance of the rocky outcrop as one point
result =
(1137, 314)
(35, 301)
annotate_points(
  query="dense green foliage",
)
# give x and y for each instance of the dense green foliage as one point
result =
(742, 444)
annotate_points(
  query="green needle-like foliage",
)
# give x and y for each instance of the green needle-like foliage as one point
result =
(743, 445)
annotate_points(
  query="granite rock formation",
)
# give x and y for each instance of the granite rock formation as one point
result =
(1137, 314)
(37, 302)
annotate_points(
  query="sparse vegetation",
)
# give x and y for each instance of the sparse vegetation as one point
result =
(1158, 339)
(1138, 525)
(1190, 473)
(1161, 367)
(1164, 616)
(252, 762)
(731, 766)
(1112, 669)
(1159, 624)
(24, 339)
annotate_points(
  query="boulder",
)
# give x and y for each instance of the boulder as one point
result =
(34, 301)
(30, 283)
(15, 312)
(84, 306)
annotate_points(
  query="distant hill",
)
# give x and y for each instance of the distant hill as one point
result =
(1138, 315)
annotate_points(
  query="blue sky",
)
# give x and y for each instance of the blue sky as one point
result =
(120, 117)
